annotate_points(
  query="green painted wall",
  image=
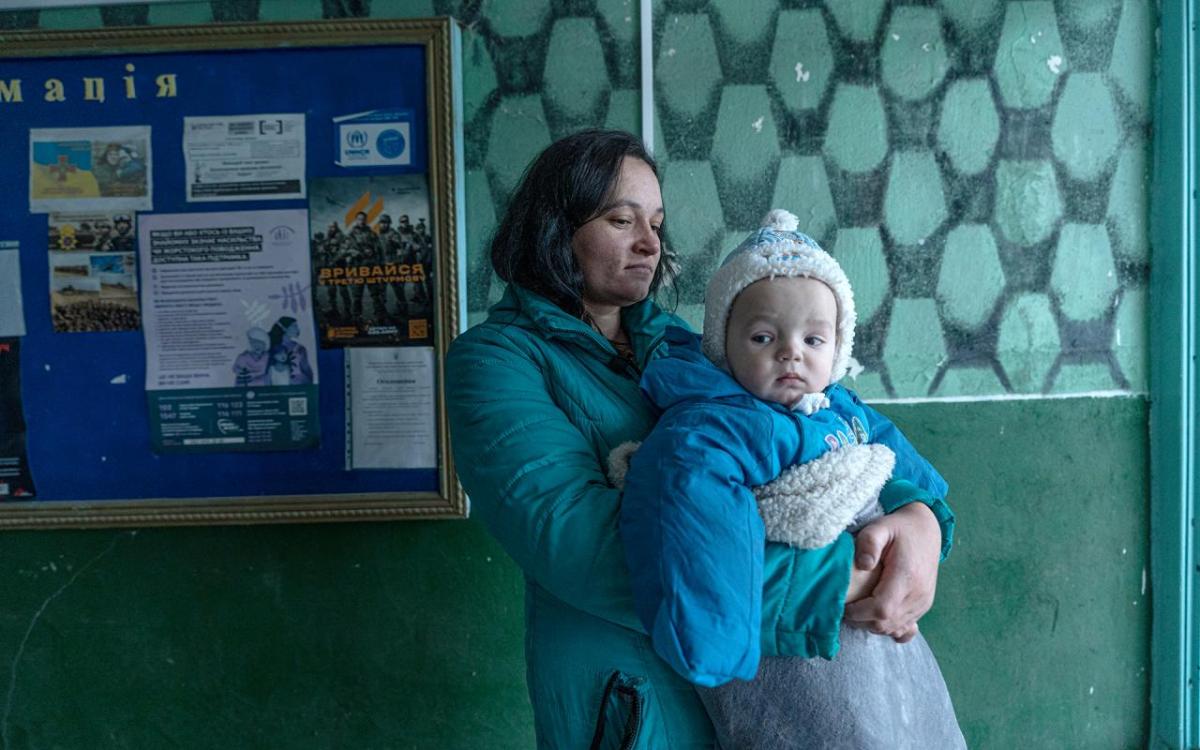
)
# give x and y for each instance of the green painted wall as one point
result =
(1042, 620)
(408, 635)
(1030, 279)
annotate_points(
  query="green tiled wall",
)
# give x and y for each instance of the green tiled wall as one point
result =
(979, 166)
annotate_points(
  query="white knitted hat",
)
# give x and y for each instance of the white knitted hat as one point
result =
(777, 249)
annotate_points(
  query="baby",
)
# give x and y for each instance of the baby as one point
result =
(758, 443)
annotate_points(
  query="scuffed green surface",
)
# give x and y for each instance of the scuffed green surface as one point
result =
(69, 18)
(860, 253)
(969, 125)
(1084, 279)
(1029, 342)
(180, 13)
(1042, 649)
(686, 67)
(857, 19)
(519, 133)
(802, 187)
(971, 16)
(801, 59)
(1085, 131)
(1027, 200)
(1128, 203)
(856, 138)
(914, 205)
(1132, 58)
(965, 382)
(1027, 54)
(517, 19)
(694, 223)
(971, 278)
(1130, 339)
(914, 54)
(745, 151)
(290, 10)
(575, 83)
(914, 348)
(1087, 377)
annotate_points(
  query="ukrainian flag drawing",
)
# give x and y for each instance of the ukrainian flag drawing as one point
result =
(63, 169)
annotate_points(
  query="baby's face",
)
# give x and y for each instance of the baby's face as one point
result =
(781, 338)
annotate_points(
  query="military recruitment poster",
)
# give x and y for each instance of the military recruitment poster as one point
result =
(372, 255)
(230, 347)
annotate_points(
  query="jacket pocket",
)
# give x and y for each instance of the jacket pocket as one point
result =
(627, 715)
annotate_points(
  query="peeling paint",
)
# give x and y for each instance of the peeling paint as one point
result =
(757, 124)
(1054, 63)
(802, 75)
(121, 379)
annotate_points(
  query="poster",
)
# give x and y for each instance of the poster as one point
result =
(390, 415)
(93, 272)
(93, 292)
(98, 231)
(244, 157)
(372, 264)
(230, 347)
(378, 138)
(90, 169)
(16, 483)
(12, 308)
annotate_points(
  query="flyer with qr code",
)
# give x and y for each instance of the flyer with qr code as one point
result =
(230, 343)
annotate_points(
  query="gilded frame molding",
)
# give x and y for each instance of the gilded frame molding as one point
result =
(439, 37)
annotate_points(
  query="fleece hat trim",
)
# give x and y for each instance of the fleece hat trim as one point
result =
(777, 249)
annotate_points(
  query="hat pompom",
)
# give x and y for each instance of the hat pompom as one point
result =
(781, 220)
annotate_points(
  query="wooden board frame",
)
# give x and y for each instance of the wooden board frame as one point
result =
(440, 42)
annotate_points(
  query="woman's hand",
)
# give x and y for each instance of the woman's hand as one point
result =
(906, 545)
(862, 582)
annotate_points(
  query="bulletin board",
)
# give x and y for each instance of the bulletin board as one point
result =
(229, 273)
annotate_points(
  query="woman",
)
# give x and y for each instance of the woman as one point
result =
(283, 337)
(538, 396)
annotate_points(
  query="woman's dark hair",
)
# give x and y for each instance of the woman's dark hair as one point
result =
(277, 330)
(564, 188)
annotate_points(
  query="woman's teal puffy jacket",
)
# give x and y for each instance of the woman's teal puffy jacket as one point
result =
(536, 402)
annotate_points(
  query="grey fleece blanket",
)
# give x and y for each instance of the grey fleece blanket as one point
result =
(876, 695)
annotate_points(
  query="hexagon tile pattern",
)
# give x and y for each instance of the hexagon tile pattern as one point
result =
(978, 166)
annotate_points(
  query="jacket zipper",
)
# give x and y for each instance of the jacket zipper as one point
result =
(633, 725)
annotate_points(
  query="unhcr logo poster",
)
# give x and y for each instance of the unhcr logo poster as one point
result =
(378, 138)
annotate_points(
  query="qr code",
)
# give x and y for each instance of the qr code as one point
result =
(298, 407)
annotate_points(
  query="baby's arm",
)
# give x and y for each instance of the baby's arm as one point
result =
(694, 550)
(694, 545)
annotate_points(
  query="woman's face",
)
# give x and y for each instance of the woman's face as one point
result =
(618, 249)
(293, 330)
